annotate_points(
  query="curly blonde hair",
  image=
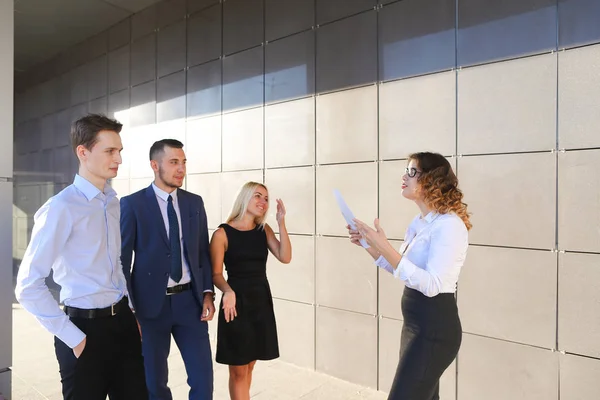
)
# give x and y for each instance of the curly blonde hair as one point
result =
(439, 185)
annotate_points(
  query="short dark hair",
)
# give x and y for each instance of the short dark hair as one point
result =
(84, 131)
(159, 147)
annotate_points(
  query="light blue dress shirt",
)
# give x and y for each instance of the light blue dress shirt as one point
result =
(77, 235)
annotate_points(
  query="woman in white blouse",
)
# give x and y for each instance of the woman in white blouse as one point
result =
(429, 263)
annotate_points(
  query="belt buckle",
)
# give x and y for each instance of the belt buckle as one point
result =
(112, 310)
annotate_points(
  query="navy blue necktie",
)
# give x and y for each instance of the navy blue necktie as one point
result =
(175, 241)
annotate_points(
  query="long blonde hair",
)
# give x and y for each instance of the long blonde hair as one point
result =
(240, 205)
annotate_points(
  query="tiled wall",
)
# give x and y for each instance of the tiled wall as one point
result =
(309, 96)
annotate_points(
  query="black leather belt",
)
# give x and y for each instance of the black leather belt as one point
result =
(109, 311)
(178, 288)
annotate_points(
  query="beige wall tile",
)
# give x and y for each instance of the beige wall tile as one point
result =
(347, 346)
(203, 145)
(346, 276)
(496, 370)
(578, 211)
(290, 133)
(358, 185)
(508, 106)
(512, 199)
(418, 114)
(579, 304)
(208, 186)
(296, 188)
(296, 280)
(243, 140)
(493, 302)
(347, 126)
(296, 332)
(578, 102)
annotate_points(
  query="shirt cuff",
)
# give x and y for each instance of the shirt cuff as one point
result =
(381, 262)
(405, 269)
(208, 291)
(71, 335)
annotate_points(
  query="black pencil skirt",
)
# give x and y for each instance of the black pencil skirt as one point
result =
(431, 338)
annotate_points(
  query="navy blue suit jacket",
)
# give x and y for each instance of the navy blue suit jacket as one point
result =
(143, 232)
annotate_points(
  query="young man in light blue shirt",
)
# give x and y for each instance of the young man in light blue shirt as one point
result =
(77, 235)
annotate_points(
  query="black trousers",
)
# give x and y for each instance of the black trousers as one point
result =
(431, 338)
(111, 362)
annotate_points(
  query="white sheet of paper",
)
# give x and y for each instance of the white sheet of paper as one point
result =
(348, 214)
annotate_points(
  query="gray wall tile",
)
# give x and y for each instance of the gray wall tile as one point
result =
(496, 370)
(519, 310)
(346, 277)
(578, 188)
(286, 17)
(579, 304)
(143, 104)
(171, 11)
(296, 187)
(171, 97)
(492, 102)
(578, 86)
(416, 37)
(290, 67)
(204, 89)
(577, 20)
(144, 22)
(243, 80)
(494, 188)
(338, 332)
(197, 5)
(204, 36)
(488, 32)
(417, 114)
(118, 69)
(296, 280)
(290, 133)
(97, 78)
(329, 10)
(143, 60)
(579, 377)
(243, 25)
(119, 35)
(296, 326)
(171, 49)
(347, 53)
(203, 145)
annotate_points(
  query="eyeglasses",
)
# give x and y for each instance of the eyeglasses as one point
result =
(412, 172)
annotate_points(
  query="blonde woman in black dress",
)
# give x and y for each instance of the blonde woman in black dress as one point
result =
(247, 331)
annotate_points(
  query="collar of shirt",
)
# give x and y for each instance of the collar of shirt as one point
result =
(164, 195)
(429, 218)
(90, 191)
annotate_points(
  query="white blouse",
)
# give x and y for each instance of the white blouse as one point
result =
(435, 248)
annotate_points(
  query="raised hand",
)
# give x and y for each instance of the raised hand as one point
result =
(374, 237)
(280, 216)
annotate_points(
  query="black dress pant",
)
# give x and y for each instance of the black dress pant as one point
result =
(431, 338)
(111, 362)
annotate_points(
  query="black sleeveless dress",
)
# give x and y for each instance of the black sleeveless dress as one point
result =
(252, 335)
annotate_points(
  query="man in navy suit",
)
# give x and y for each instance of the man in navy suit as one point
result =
(170, 283)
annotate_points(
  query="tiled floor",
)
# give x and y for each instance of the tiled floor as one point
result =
(35, 373)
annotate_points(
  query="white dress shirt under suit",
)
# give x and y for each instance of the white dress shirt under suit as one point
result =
(435, 248)
(77, 235)
(162, 198)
